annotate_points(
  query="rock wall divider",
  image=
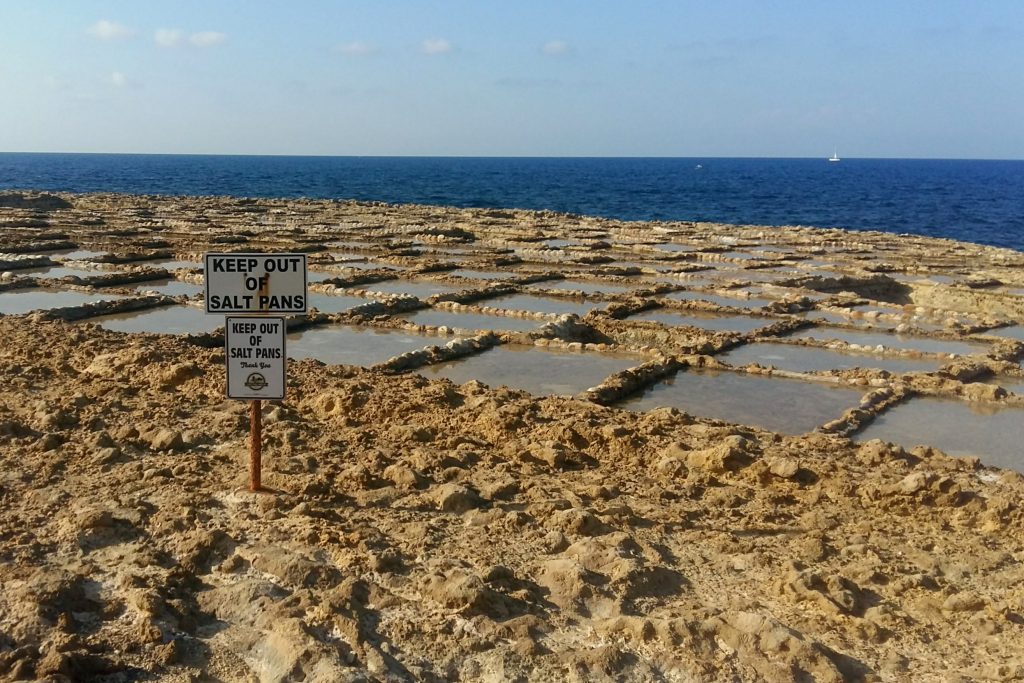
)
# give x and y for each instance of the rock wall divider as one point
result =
(430, 355)
(632, 380)
(92, 310)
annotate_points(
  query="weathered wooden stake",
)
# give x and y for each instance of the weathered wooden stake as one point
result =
(255, 445)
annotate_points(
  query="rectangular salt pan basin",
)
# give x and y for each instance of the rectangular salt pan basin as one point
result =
(752, 275)
(810, 359)
(76, 254)
(161, 320)
(350, 345)
(349, 245)
(170, 287)
(723, 323)
(1014, 384)
(861, 310)
(816, 263)
(418, 288)
(326, 303)
(542, 372)
(169, 264)
(319, 276)
(733, 302)
(53, 272)
(537, 304)
(473, 321)
(894, 341)
(586, 287)
(693, 282)
(783, 405)
(991, 432)
(482, 274)
(830, 317)
(22, 301)
(364, 265)
(1012, 332)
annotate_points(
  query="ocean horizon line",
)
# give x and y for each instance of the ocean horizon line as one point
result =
(499, 156)
(973, 200)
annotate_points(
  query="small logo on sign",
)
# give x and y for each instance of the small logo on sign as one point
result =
(256, 382)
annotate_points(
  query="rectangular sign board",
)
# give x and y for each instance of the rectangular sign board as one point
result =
(256, 283)
(255, 355)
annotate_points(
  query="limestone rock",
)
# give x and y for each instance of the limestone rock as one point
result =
(785, 468)
(402, 476)
(166, 440)
(914, 482)
(963, 602)
(454, 497)
(718, 459)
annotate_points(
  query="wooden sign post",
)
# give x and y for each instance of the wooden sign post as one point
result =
(254, 344)
(255, 445)
(254, 351)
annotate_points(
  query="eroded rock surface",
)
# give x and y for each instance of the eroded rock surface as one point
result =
(421, 530)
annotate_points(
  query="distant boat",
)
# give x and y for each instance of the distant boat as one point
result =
(834, 157)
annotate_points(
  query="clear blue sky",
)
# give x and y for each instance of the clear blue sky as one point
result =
(476, 77)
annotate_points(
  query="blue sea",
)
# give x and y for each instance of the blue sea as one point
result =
(977, 201)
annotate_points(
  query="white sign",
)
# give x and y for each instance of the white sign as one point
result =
(255, 355)
(256, 283)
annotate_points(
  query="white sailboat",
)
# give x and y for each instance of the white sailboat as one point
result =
(834, 157)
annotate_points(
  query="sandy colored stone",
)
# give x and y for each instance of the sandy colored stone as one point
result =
(414, 529)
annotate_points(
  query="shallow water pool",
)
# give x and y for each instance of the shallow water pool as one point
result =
(365, 265)
(733, 302)
(76, 254)
(320, 276)
(418, 288)
(352, 345)
(1014, 384)
(894, 341)
(783, 405)
(830, 317)
(170, 287)
(718, 323)
(538, 304)
(482, 274)
(758, 275)
(161, 320)
(327, 303)
(1011, 332)
(586, 286)
(472, 321)
(810, 359)
(993, 433)
(672, 247)
(169, 264)
(54, 272)
(21, 301)
(692, 282)
(542, 372)
(632, 264)
(816, 264)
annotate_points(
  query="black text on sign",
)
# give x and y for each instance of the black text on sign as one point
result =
(256, 283)
(254, 350)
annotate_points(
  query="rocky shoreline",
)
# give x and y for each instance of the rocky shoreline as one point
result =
(425, 530)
